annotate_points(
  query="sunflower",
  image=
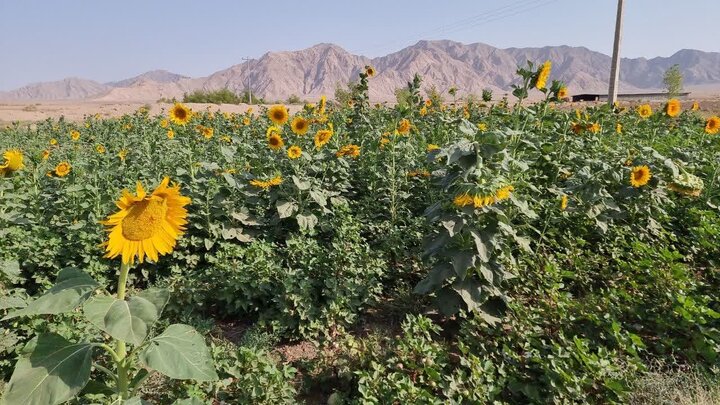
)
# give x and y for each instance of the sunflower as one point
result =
(482, 126)
(644, 111)
(62, 169)
(275, 181)
(122, 154)
(272, 130)
(278, 114)
(100, 148)
(563, 202)
(322, 137)
(463, 200)
(170, 134)
(294, 152)
(543, 75)
(164, 123)
(322, 105)
(207, 132)
(246, 121)
(618, 128)
(428, 103)
(404, 126)
(640, 176)
(504, 193)
(75, 135)
(578, 128)
(45, 154)
(53, 142)
(594, 127)
(695, 106)
(370, 71)
(146, 225)
(299, 125)
(712, 126)
(423, 111)
(180, 114)
(562, 93)
(431, 147)
(351, 150)
(673, 107)
(13, 162)
(275, 142)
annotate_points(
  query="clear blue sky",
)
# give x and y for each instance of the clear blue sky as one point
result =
(42, 40)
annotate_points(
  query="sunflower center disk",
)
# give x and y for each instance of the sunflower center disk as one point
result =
(144, 219)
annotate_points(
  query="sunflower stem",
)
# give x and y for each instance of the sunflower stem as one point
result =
(122, 377)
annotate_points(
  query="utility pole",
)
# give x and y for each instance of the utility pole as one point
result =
(615, 67)
(249, 87)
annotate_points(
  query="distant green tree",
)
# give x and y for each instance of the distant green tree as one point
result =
(673, 80)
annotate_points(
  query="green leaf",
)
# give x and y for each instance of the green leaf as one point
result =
(301, 185)
(462, 261)
(11, 269)
(54, 372)
(448, 301)
(72, 288)
(131, 320)
(180, 352)
(481, 246)
(12, 302)
(136, 401)
(286, 208)
(318, 197)
(435, 279)
(306, 222)
(189, 401)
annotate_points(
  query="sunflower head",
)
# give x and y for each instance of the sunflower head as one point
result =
(278, 114)
(712, 125)
(300, 125)
(207, 132)
(370, 71)
(45, 155)
(431, 147)
(351, 150)
(542, 75)
(146, 225)
(618, 128)
(673, 107)
(563, 202)
(463, 200)
(594, 127)
(13, 161)
(180, 114)
(170, 134)
(695, 106)
(644, 111)
(62, 169)
(404, 126)
(294, 152)
(640, 176)
(164, 123)
(562, 94)
(322, 137)
(100, 148)
(275, 141)
(75, 135)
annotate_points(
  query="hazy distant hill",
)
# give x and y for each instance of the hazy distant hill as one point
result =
(318, 70)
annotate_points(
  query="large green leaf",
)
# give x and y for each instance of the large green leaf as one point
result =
(180, 352)
(55, 371)
(72, 287)
(435, 279)
(131, 320)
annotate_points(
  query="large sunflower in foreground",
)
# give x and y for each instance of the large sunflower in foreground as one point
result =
(673, 107)
(275, 142)
(712, 125)
(640, 176)
(278, 114)
(146, 225)
(13, 162)
(180, 114)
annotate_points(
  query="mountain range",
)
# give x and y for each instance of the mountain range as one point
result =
(320, 69)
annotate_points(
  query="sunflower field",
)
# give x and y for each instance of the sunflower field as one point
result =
(426, 252)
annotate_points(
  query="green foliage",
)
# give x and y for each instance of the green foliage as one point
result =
(222, 96)
(673, 80)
